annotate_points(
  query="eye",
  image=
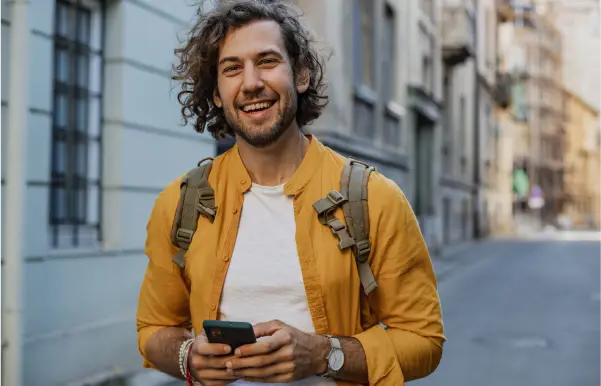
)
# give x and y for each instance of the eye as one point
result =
(231, 68)
(268, 61)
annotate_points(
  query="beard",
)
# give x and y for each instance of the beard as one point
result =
(257, 135)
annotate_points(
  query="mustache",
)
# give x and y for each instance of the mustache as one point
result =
(253, 97)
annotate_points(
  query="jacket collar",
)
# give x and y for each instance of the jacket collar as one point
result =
(300, 178)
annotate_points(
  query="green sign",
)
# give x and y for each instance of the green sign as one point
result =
(521, 184)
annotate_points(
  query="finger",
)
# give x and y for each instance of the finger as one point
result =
(284, 354)
(211, 348)
(265, 372)
(212, 374)
(267, 328)
(200, 362)
(280, 378)
(264, 346)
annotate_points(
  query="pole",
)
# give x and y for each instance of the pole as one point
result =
(15, 190)
(477, 176)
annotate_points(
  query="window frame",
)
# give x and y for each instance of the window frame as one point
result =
(74, 216)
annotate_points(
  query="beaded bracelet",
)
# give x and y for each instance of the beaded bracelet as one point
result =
(184, 351)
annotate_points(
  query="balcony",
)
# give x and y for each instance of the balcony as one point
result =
(457, 34)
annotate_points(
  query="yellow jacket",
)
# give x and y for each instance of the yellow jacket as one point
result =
(406, 300)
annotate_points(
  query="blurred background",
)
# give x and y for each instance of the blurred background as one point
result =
(485, 112)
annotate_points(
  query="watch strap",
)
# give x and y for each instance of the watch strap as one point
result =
(334, 345)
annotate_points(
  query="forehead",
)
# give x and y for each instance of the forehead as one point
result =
(249, 40)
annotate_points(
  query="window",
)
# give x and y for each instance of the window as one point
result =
(392, 124)
(75, 164)
(389, 55)
(363, 68)
(364, 36)
(427, 46)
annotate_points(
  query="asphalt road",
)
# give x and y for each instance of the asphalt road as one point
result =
(521, 312)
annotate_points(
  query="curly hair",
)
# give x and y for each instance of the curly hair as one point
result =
(197, 68)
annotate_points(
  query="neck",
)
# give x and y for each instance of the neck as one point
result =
(274, 164)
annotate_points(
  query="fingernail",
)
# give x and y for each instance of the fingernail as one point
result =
(227, 349)
(238, 352)
(228, 365)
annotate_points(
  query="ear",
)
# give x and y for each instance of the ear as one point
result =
(302, 80)
(216, 98)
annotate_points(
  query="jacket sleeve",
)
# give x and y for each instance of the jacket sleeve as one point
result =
(164, 296)
(406, 300)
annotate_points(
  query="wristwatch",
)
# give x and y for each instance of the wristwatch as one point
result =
(335, 357)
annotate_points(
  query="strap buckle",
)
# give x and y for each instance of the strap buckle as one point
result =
(363, 248)
(206, 196)
(339, 229)
(184, 235)
(336, 197)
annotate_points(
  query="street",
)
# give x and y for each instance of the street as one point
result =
(521, 312)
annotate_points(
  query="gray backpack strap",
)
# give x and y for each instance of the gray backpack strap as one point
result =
(353, 185)
(353, 200)
(196, 198)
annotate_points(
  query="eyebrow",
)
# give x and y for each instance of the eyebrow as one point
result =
(261, 54)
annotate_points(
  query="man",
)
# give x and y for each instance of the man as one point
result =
(250, 70)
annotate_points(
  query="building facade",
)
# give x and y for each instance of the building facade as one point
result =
(384, 89)
(531, 49)
(582, 163)
(459, 52)
(578, 23)
(103, 137)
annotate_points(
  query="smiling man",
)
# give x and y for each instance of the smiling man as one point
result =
(283, 240)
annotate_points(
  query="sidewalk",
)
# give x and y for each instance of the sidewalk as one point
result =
(457, 255)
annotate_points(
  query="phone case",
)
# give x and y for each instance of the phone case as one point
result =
(234, 334)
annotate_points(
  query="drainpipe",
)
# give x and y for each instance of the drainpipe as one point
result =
(15, 191)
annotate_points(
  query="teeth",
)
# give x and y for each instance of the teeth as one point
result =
(256, 106)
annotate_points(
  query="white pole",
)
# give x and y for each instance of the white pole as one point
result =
(13, 229)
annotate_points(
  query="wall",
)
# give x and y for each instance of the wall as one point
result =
(581, 159)
(79, 303)
(337, 126)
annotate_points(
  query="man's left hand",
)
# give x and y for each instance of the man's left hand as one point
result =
(284, 355)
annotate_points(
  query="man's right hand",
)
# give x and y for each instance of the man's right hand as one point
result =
(207, 362)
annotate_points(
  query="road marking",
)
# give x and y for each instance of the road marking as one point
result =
(529, 343)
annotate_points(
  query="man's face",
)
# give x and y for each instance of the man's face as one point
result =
(256, 83)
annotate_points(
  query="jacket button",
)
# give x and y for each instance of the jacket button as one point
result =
(226, 258)
(213, 307)
(243, 181)
(235, 211)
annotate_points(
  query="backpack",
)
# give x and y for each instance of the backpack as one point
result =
(197, 199)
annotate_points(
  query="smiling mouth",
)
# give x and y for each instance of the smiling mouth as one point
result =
(254, 108)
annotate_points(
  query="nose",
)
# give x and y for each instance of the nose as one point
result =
(252, 81)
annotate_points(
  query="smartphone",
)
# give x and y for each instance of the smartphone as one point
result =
(234, 334)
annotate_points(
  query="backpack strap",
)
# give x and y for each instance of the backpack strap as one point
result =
(324, 209)
(353, 200)
(353, 185)
(196, 198)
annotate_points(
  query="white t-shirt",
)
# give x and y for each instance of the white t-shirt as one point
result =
(264, 279)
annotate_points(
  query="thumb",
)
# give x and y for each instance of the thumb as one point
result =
(267, 328)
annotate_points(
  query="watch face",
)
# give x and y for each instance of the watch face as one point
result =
(336, 360)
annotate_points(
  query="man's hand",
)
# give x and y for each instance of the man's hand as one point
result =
(207, 362)
(286, 354)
